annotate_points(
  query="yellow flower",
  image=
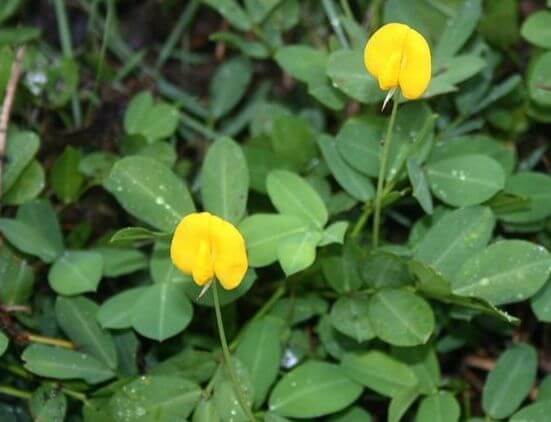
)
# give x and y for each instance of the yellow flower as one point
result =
(397, 55)
(206, 246)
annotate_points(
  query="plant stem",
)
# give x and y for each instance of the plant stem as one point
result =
(35, 338)
(335, 22)
(362, 220)
(16, 370)
(227, 356)
(185, 18)
(14, 392)
(65, 37)
(382, 174)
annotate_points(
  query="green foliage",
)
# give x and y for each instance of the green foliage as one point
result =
(262, 112)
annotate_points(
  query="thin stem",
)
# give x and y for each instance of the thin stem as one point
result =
(65, 37)
(335, 22)
(347, 11)
(16, 370)
(15, 392)
(227, 356)
(35, 338)
(9, 98)
(75, 394)
(382, 174)
(185, 18)
(362, 220)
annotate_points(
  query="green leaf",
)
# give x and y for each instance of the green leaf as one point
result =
(21, 148)
(260, 352)
(264, 232)
(349, 315)
(152, 121)
(132, 234)
(352, 181)
(48, 404)
(59, 363)
(537, 188)
(383, 269)
(25, 238)
(296, 253)
(476, 144)
(116, 312)
(4, 343)
(253, 49)
(17, 281)
(342, 271)
(228, 85)
(150, 191)
(334, 233)
(76, 272)
(162, 311)
(121, 261)
(541, 303)
(458, 30)
(224, 396)
(313, 389)
(539, 80)
(400, 404)
(66, 180)
(225, 180)
(523, 269)
(424, 363)
(233, 12)
(206, 412)
(439, 407)
(292, 195)
(302, 62)
(535, 29)
(537, 412)
(401, 318)
(466, 180)
(454, 238)
(510, 381)
(28, 186)
(155, 398)
(347, 72)
(359, 143)
(379, 372)
(420, 185)
(293, 141)
(77, 317)
(259, 10)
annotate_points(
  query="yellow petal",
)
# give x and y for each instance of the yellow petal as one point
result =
(203, 271)
(190, 232)
(388, 78)
(398, 55)
(385, 42)
(230, 255)
(416, 70)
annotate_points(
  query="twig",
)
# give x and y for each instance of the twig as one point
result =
(7, 106)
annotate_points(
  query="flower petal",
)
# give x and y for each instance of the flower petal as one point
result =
(230, 255)
(383, 43)
(190, 232)
(415, 73)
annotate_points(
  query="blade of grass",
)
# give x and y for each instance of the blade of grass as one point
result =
(335, 22)
(67, 49)
(185, 18)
